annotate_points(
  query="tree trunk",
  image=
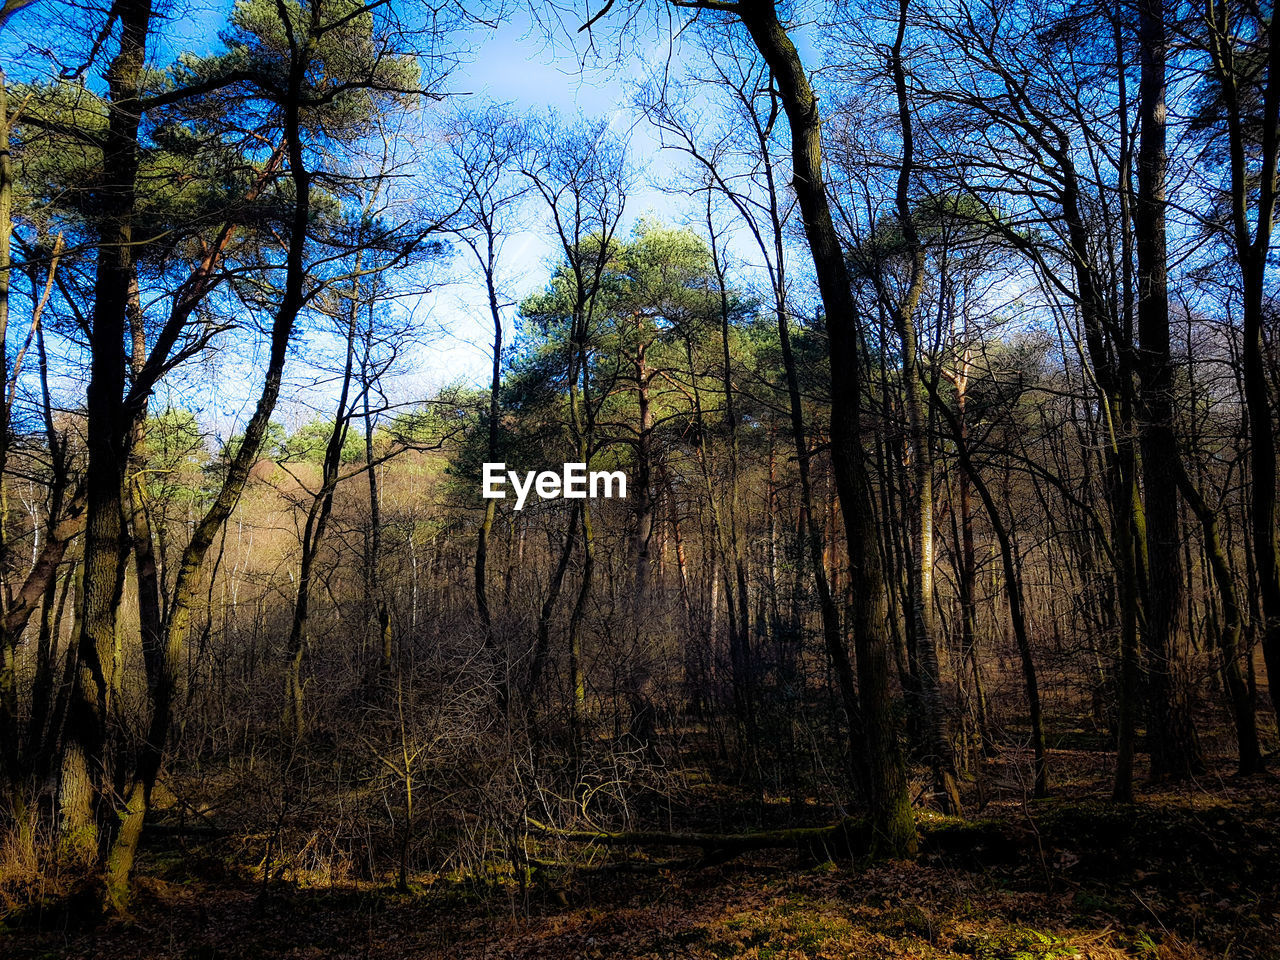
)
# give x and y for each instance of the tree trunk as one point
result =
(937, 739)
(119, 857)
(89, 766)
(313, 532)
(9, 738)
(892, 820)
(490, 505)
(1251, 254)
(643, 487)
(1239, 697)
(1013, 590)
(1175, 749)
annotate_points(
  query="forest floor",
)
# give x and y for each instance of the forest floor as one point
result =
(1192, 872)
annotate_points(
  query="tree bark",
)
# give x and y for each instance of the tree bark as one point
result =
(1252, 243)
(490, 505)
(892, 820)
(1240, 698)
(1175, 749)
(89, 768)
(937, 739)
(121, 852)
(1013, 590)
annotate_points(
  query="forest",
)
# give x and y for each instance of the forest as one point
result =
(928, 353)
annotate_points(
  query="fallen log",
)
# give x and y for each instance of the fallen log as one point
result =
(980, 841)
(839, 838)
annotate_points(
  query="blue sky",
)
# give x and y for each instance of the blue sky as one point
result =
(513, 64)
(516, 65)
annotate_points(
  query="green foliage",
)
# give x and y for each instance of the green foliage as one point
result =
(349, 78)
(432, 423)
(272, 444)
(309, 442)
(200, 155)
(173, 455)
(55, 149)
(659, 299)
(549, 313)
(1015, 944)
(656, 290)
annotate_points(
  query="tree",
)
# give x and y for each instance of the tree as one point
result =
(1175, 749)
(890, 805)
(1241, 51)
(483, 153)
(580, 174)
(749, 177)
(267, 74)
